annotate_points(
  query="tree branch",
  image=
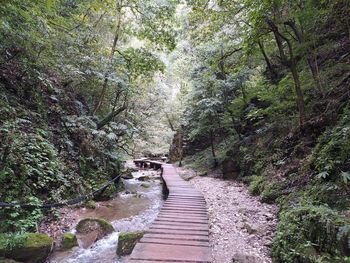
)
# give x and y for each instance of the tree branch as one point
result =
(110, 116)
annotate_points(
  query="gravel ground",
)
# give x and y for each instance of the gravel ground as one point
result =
(241, 227)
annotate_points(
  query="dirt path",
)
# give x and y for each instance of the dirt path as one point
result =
(241, 227)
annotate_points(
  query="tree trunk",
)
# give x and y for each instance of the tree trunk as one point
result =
(114, 48)
(299, 93)
(170, 122)
(291, 63)
(181, 145)
(213, 149)
(268, 63)
(310, 57)
(312, 62)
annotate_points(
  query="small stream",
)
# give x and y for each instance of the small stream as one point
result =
(132, 210)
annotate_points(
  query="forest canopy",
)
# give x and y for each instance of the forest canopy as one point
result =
(257, 91)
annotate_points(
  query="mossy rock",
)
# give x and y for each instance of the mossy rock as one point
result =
(127, 173)
(88, 225)
(90, 204)
(28, 247)
(144, 178)
(69, 240)
(203, 173)
(127, 176)
(145, 185)
(127, 242)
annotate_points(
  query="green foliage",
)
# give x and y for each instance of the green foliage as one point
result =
(142, 63)
(332, 153)
(16, 219)
(30, 162)
(58, 60)
(69, 240)
(306, 233)
(90, 204)
(247, 60)
(256, 185)
(28, 247)
(12, 241)
(272, 191)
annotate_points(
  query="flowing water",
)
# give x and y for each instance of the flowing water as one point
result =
(132, 210)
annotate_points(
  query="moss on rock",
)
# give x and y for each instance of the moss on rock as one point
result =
(88, 225)
(69, 240)
(127, 173)
(90, 204)
(127, 242)
(28, 247)
(144, 178)
(145, 185)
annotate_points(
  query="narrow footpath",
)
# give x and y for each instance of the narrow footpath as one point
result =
(180, 233)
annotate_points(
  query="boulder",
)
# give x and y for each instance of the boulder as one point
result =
(90, 204)
(127, 176)
(127, 242)
(249, 229)
(88, 225)
(145, 185)
(127, 173)
(69, 240)
(144, 178)
(230, 169)
(203, 173)
(27, 247)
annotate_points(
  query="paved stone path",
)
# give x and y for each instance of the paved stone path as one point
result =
(180, 233)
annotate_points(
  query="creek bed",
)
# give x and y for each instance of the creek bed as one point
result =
(132, 210)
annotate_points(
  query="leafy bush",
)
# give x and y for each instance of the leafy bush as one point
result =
(257, 184)
(11, 241)
(30, 164)
(331, 156)
(272, 191)
(16, 219)
(309, 234)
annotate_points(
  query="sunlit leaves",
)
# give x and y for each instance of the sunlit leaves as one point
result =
(141, 62)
